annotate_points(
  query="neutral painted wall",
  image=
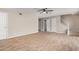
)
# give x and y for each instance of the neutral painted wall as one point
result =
(22, 24)
(73, 21)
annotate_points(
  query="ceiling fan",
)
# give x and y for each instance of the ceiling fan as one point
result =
(45, 10)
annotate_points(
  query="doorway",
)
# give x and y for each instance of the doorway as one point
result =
(44, 25)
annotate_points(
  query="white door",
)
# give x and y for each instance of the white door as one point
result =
(3, 26)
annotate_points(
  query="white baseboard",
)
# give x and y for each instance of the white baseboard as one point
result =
(15, 36)
(19, 35)
(74, 33)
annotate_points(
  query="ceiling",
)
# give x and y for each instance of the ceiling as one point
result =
(56, 12)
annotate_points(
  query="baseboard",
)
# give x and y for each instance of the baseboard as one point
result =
(20, 35)
(16, 36)
(74, 33)
(61, 32)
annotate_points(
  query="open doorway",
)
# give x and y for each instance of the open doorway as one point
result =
(44, 25)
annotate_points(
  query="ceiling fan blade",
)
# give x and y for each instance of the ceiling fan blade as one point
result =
(49, 10)
(45, 10)
(41, 9)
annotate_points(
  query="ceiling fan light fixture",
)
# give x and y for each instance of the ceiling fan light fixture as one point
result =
(20, 13)
(45, 11)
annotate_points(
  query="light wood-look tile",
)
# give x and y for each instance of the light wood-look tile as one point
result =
(41, 41)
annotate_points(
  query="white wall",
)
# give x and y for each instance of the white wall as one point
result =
(22, 24)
